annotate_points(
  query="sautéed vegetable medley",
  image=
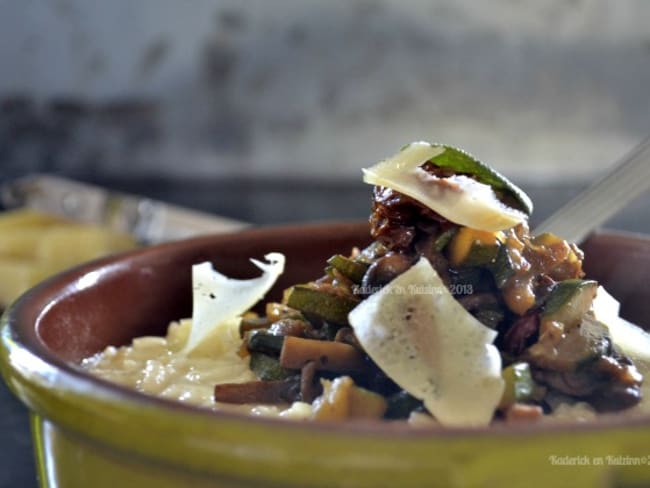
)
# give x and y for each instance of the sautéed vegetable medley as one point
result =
(454, 315)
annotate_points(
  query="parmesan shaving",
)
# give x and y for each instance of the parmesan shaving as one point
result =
(631, 339)
(457, 198)
(219, 300)
(426, 342)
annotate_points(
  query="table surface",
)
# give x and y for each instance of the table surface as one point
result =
(261, 202)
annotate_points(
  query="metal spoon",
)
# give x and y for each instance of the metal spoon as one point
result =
(628, 179)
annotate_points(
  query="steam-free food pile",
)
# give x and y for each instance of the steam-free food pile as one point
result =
(454, 315)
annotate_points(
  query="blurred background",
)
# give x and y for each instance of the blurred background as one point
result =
(267, 111)
(258, 110)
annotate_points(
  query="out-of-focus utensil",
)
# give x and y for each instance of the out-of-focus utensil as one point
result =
(149, 221)
(628, 179)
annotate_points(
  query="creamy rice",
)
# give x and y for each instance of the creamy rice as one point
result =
(155, 366)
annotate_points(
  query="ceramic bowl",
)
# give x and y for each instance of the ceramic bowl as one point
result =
(89, 433)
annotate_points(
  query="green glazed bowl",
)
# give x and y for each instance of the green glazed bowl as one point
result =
(89, 433)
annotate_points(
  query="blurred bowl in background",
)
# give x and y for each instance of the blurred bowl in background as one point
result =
(35, 245)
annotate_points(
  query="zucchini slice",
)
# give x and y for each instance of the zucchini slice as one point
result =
(569, 301)
(519, 384)
(323, 304)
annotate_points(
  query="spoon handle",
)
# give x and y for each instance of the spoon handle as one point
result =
(628, 179)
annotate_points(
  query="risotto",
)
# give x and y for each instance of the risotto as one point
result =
(455, 315)
(154, 366)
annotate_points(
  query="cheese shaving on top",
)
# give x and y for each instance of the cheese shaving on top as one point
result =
(458, 198)
(219, 301)
(426, 342)
(631, 339)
